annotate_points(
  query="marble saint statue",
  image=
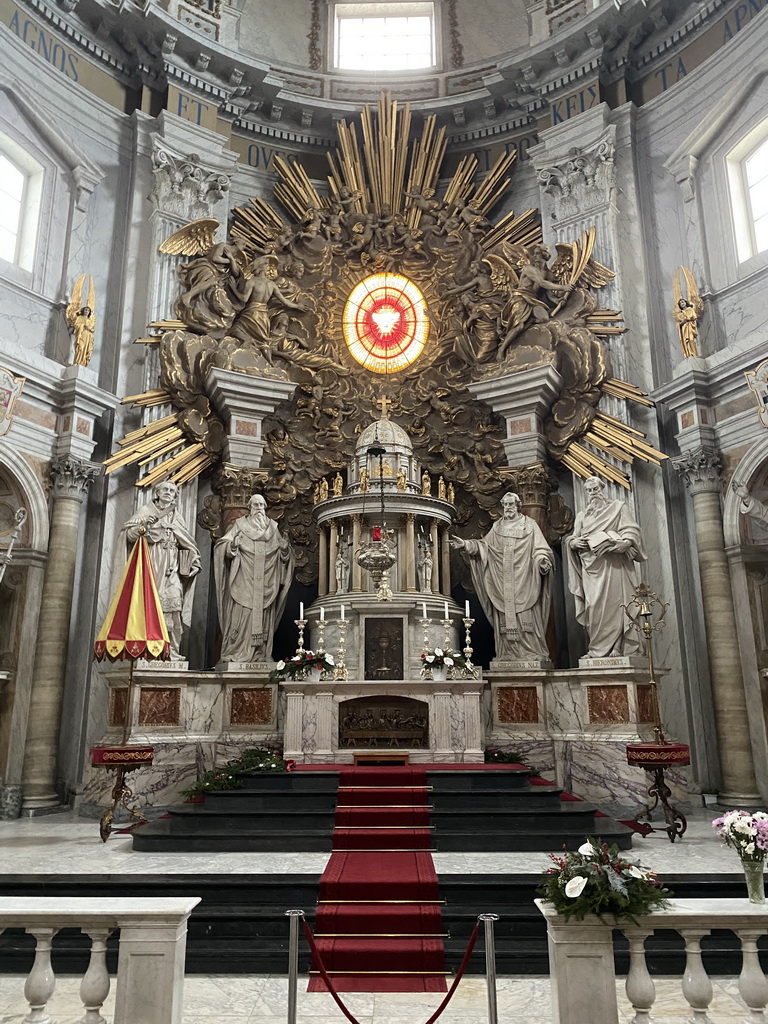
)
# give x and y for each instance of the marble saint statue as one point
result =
(341, 570)
(603, 552)
(749, 505)
(174, 555)
(253, 568)
(425, 569)
(511, 571)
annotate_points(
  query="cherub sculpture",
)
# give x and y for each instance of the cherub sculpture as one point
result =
(81, 317)
(209, 279)
(686, 312)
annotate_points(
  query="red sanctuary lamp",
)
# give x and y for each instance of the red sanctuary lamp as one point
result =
(656, 757)
(134, 628)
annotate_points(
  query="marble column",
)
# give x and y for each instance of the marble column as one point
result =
(410, 553)
(294, 723)
(71, 478)
(433, 540)
(700, 468)
(533, 484)
(441, 726)
(324, 726)
(445, 563)
(473, 736)
(235, 486)
(333, 555)
(356, 570)
(322, 562)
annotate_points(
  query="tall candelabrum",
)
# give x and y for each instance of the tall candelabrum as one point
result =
(340, 671)
(646, 612)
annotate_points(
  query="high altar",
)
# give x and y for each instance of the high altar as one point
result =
(385, 366)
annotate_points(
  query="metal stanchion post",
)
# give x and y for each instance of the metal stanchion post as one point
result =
(490, 965)
(293, 961)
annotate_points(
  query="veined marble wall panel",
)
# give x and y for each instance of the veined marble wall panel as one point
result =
(277, 30)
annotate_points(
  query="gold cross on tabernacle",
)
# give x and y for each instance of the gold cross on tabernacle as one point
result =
(384, 403)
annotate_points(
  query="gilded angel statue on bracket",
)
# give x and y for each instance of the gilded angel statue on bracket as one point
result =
(81, 317)
(209, 279)
(536, 281)
(686, 312)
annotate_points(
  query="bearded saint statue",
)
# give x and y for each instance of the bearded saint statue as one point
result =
(253, 569)
(511, 571)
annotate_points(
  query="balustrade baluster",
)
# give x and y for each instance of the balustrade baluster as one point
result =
(697, 988)
(94, 988)
(753, 986)
(640, 989)
(41, 981)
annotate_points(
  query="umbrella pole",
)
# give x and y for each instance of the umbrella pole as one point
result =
(128, 704)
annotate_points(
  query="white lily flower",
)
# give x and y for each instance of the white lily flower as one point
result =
(430, 658)
(448, 661)
(635, 871)
(280, 666)
(439, 652)
(575, 887)
(586, 849)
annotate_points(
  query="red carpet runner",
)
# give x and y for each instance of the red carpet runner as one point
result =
(378, 924)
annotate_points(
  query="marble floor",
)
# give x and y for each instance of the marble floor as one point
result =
(66, 844)
(262, 999)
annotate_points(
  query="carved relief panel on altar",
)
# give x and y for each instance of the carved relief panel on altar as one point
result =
(384, 648)
(385, 721)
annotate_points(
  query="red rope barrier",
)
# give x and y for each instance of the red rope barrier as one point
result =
(352, 1019)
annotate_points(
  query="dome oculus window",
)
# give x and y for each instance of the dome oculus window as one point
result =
(384, 36)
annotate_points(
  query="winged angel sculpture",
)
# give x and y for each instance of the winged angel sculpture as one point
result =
(81, 317)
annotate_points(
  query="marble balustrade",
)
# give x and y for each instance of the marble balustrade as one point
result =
(582, 969)
(150, 967)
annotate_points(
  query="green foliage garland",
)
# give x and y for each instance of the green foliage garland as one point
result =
(230, 776)
(596, 879)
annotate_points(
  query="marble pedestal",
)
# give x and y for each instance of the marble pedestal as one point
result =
(194, 720)
(573, 726)
(452, 708)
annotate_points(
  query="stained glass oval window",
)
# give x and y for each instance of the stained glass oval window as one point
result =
(386, 323)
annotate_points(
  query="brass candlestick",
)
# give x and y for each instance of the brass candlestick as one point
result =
(320, 636)
(340, 671)
(447, 644)
(468, 649)
(301, 625)
(426, 671)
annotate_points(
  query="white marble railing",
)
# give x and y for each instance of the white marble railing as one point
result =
(582, 972)
(150, 966)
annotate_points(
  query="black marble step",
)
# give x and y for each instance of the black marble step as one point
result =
(506, 778)
(516, 819)
(264, 799)
(240, 925)
(202, 818)
(540, 835)
(165, 834)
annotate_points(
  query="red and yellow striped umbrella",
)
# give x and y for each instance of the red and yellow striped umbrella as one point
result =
(135, 625)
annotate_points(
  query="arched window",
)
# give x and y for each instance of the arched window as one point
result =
(747, 165)
(13, 183)
(384, 36)
(21, 179)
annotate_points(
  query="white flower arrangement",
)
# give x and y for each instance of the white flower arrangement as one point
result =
(746, 833)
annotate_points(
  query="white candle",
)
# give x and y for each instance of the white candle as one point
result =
(466, 609)
(342, 611)
(301, 609)
(322, 614)
(423, 609)
(445, 608)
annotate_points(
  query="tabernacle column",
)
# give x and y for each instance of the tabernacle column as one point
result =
(71, 478)
(701, 469)
(433, 540)
(322, 558)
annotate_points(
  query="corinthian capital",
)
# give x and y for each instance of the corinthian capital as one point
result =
(533, 483)
(71, 477)
(701, 469)
(183, 185)
(584, 179)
